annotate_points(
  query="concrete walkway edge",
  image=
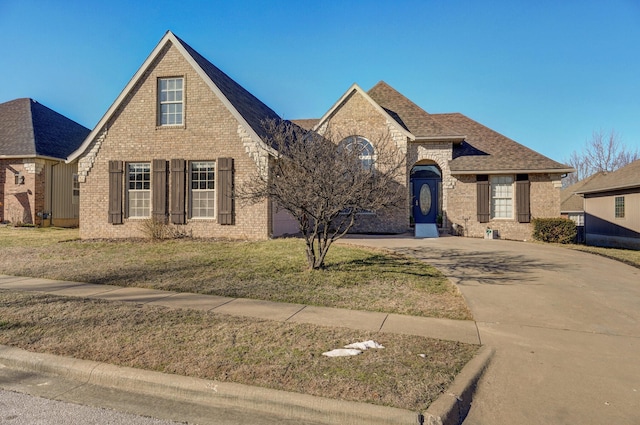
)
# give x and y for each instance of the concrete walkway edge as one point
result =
(451, 407)
(289, 405)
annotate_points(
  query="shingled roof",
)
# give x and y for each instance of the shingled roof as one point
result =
(487, 151)
(249, 106)
(572, 202)
(30, 129)
(627, 177)
(482, 150)
(409, 115)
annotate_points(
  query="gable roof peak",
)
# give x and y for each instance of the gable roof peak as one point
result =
(244, 106)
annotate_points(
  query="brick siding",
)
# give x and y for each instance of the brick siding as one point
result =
(209, 132)
(22, 203)
(358, 117)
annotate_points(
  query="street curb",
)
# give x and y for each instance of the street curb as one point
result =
(446, 410)
(452, 407)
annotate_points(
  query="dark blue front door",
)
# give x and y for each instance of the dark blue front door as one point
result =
(425, 200)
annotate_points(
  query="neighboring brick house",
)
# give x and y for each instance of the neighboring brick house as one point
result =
(36, 185)
(182, 135)
(460, 174)
(612, 208)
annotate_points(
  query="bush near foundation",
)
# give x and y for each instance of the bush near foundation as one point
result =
(555, 230)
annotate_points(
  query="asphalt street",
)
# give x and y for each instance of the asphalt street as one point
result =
(23, 409)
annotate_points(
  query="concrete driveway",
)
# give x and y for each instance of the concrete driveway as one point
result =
(565, 326)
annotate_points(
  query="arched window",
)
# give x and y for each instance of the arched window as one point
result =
(362, 147)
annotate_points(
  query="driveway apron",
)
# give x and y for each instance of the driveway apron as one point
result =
(565, 325)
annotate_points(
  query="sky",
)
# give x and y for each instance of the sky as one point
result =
(545, 73)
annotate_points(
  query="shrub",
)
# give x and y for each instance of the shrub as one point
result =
(555, 230)
(158, 230)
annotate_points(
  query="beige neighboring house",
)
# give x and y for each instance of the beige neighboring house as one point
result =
(183, 135)
(612, 208)
(36, 185)
(572, 204)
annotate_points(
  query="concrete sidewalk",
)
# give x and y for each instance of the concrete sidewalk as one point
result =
(180, 398)
(450, 330)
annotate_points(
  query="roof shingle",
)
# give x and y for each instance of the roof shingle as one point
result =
(627, 177)
(28, 128)
(485, 150)
(409, 115)
(250, 107)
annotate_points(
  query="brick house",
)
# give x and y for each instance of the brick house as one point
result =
(460, 175)
(182, 135)
(173, 145)
(36, 185)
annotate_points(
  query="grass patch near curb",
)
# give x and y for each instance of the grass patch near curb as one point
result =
(284, 356)
(273, 270)
(628, 256)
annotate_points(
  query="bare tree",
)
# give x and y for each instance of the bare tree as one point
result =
(325, 185)
(604, 152)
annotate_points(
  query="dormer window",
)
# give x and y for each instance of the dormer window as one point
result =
(170, 101)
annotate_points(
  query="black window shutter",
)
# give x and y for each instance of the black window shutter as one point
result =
(178, 215)
(225, 191)
(115, 192)
(483, 201)
(523, 195)
(159, 192)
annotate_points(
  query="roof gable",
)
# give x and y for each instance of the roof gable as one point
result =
(245, 107)
(409, 115)
(30, 129)
(249, 107)
(627, 177)
(355, 89)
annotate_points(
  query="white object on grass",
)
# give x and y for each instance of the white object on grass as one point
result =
(365, 345)
(341, 352)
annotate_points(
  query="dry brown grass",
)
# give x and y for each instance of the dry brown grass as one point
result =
(628, 256)
(276, 355)
(272, 270)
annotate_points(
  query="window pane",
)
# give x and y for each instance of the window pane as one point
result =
(202, 189)
(502, 197)
(170, 97)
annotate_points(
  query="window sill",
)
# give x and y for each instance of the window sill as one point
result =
(171, 127)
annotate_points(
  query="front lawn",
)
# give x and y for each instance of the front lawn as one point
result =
(273, 270)
(284, 356)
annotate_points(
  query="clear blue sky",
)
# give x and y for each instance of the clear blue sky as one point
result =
(545, 73)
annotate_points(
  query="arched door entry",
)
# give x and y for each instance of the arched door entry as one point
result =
(425, 188)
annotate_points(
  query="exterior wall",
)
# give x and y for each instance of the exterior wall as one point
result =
(358, 117)
(462, 207)
(64, 209)
(604, 229)
(209, 132)
(22, 203)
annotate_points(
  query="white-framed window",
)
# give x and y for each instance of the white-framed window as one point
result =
(501, 196)
(75, 190)
(139, 189)
(619, 206)
(203, 189)
(577, 218)
(171, 101)
(362, 147)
